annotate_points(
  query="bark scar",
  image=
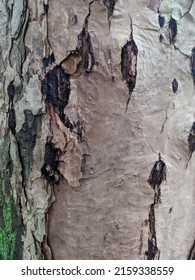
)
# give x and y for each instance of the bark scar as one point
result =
(129, 54)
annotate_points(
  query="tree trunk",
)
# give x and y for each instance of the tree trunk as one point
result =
(97, 129)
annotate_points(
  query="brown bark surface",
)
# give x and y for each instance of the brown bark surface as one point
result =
(97, 129)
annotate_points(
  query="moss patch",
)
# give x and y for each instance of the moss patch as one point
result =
(7, 233)
(11, 226)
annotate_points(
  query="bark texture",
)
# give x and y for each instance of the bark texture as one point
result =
(97, 129)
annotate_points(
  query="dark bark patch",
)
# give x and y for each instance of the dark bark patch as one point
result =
(191, 138)
(49, 169)
(152, 250)
(192, 64)
(48, 60)
(175, 85)
(45, 8)
(192, 252)
(161, 38)
(68, 123)
(10, 11)
(56, 89)
(19, 229)
(152, 240)
(161, 21)
(110, 4)
(157, 174)
(74, 19)
(170, 210)
(11, 92)
(12, 120)
(129, 63)
(26, 139)
(77, 128)
(85, 50)
(172, 30)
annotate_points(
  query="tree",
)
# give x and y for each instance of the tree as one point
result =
(97, 129)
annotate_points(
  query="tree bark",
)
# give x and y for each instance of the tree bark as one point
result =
(97, 129)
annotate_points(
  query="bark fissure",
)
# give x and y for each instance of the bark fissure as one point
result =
(157, 176)
(18, 49)
(165, 120)
(85, 50)
(191, 142)
(129, 54)
(188, 11)
(192, 252)
(81, 60)
(145, 28)
(11, 110)
(153, 249)
(110, 5)
(84, 47)
(192, 64)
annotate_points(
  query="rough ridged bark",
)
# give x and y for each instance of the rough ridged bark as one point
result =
(97, 129)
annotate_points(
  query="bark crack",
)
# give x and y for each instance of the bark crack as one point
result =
(17, 43)
(110, 5)
(129, 55)
(191, 142)
(188, 11)
(165, 120)
(82, 58)
(192, 252)
(146, 28)
(186, 55)
(156, 177)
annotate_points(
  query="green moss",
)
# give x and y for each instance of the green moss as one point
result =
(7, 234)
(11, 225)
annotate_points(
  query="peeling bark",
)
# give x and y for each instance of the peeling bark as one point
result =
(70, 159)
